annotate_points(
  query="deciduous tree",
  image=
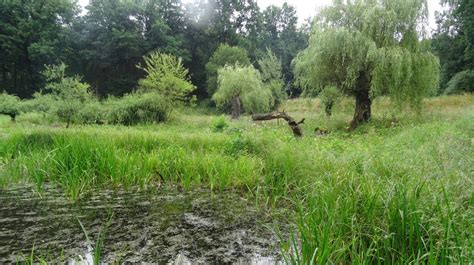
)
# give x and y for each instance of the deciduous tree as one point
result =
(166, 75)
(369, 48)
(224, 55)
(242, 87)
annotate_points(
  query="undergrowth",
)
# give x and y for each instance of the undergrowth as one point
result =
(397, 190)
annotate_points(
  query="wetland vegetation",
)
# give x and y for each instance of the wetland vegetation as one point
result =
(215, 132)
(398, 188)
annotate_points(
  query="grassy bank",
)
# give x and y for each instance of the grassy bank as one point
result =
(398, 190)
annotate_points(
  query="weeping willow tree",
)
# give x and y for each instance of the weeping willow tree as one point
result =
(368, 48)
(242, 87)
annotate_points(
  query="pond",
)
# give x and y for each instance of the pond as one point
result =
(160, 226)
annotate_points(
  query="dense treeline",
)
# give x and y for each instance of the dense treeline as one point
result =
(453, 42)
(241, 58)
(106, 42)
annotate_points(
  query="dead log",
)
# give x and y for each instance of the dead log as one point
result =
(295, 126)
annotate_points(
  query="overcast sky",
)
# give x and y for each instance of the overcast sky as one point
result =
(308, 8)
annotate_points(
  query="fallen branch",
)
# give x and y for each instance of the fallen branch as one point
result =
(295, 126)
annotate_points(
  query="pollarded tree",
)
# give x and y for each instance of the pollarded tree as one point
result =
(242, 87)
(368, 48)
(270, 69)
(166, 75)
(224, 55)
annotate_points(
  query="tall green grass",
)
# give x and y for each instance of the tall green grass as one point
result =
(398, 190)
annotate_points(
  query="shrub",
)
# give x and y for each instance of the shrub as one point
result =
(70, 92)
(9, 105)
(461, 82)
(139, 108)
(92, 113)
(219, 124)
(41, 103)
(329, 96)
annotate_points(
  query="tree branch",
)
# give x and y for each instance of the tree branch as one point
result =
(295, 126)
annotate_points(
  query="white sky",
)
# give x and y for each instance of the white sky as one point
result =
(308, 8)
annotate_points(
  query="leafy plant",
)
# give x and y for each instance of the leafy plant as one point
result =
(329, 97)
(139, 108)
(9, 105)
(219, 124)
(224, 55)
(379, 53)
(71, 94)
(270, 69)
(461, 82)
(166, 76)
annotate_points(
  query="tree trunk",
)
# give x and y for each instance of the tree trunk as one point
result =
(328, 108)
(295, 126)
(13, 116)
(363, 109)
(236, 109)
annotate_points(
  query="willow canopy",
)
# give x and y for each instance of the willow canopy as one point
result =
(367, 48)
(242, 87)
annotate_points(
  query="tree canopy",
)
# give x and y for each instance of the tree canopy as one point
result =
(224, 55)
(271, 72)
(166, 75)
(242, 87)
(453, 40)
(109, 38)
(369, 48)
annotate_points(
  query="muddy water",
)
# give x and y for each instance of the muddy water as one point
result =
(163, 226)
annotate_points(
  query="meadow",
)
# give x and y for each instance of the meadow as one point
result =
(396, 190)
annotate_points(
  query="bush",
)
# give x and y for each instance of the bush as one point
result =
(70, 92)
(219, 124)
(461, 82)
(139, 108)
(329, 96)
(9, 105)
(41, 103)
(92, 113)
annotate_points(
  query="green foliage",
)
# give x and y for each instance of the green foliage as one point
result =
(9, 105)
(243, 83)
(402, 194)
(281, 34)
(71, 94)
(329, 96)
(33, 33)
(40, 103)
(350, 49)
(167, 76)
(224, 55)
(270, 69)
(139, 108)
(93, 112)
(461, 82)
(406, 76)
(219, 124)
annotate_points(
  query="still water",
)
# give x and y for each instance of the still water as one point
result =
(163, 226)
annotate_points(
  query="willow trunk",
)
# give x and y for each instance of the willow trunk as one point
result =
(236, 108)
(363, 109)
